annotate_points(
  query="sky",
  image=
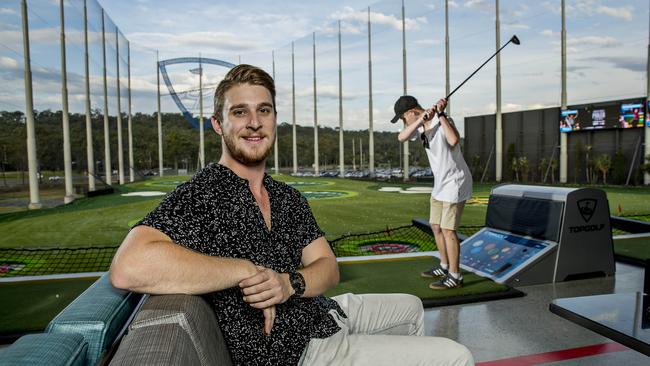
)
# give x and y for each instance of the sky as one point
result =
(607, 47)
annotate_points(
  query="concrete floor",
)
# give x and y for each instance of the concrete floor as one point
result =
(503, 329)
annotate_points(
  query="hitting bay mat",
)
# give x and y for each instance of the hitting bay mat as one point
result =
(29, 306)
(633, 249)
(403, 275)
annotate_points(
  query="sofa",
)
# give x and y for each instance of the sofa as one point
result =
(107, 326)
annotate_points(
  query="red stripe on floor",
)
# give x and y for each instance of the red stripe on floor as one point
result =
(561, 355)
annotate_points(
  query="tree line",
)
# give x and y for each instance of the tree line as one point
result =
(180, 143)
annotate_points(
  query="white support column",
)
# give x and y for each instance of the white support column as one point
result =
(498, 137)
(120, 147)
(32, 163)
(371, 139)
(341, 145)
(90, 155)
(316, 163)
(107, 142)
(646, 176)
(160, 138)
(275, 143)
(447, 65)
(406, 143)
(564, 153)
(293, 110)
(130, 120)
(67, 155)
(201, 122)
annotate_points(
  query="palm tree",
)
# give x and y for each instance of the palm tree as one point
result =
(524, 167)
(603, 163)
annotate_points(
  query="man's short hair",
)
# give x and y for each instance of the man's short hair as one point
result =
(241, 74)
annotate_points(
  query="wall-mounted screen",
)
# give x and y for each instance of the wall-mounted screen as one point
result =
(632, 115)
(569, 120)
(623, 114)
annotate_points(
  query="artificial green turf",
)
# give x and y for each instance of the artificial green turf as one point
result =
(29, 306)
(637, 248)
(105, 220)
(403, 276)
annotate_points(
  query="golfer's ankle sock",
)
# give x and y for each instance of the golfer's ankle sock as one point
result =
(444, 266)
(455, 275)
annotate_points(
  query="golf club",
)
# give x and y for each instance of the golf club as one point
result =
(514, 40)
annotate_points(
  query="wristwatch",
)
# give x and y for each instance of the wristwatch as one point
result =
(297, 282)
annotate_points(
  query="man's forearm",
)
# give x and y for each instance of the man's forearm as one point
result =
(409, 130)
(162, 267)
(320, 276)
(451, 133)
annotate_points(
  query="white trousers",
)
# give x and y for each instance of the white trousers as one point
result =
(383, 329)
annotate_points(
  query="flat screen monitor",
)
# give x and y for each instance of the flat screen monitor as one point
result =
(631, 115)
(569, 120)
(498, 254)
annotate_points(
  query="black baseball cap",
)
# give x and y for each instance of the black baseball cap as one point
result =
(404, 104)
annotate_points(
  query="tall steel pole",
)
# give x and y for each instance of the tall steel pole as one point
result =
(201, 122)
(341, 150)
(67, 155)
(316, 164)
(130, 120)
(107, 142)
(564, 153)
(32, 164)
(90, 155)
(120, 147)
(498, 138)
(293, 110)
(371, 140)
(406, 143)
(275, 143)
(646, 176)
(447, 65)
(160, 139)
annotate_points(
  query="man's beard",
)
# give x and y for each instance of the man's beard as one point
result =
(244, 156)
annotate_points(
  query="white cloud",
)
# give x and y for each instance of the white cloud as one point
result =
(624, 13)
(592, 40)
(549, 33)
(428, 42)
(350, 15)
(7, 11)
(8, 63)
(193, 41)
(515, 26)
(474, 3)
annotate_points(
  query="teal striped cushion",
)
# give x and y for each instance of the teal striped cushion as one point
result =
(45, 349)
(98, 314)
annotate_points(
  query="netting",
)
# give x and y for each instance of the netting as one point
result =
(403, 239)
(16, 262)
(38, 262)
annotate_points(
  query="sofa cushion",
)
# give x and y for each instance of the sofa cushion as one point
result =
(194, 316)
(162, 345)
(46, 349)
(98, 314)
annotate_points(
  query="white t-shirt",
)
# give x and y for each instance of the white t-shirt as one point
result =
(453, 180)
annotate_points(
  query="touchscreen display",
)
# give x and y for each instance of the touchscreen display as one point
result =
(497, 253)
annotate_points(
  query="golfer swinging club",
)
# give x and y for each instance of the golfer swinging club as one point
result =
(452, 185)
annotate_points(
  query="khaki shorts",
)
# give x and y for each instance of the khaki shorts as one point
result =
(446, 214)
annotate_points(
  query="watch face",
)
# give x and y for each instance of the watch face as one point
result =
(298, 283)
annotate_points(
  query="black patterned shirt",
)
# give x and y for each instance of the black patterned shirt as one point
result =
(216, 214)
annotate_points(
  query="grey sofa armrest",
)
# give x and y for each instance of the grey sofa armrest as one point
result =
(184, 322)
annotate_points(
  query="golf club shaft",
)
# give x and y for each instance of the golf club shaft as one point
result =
(475, 71)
